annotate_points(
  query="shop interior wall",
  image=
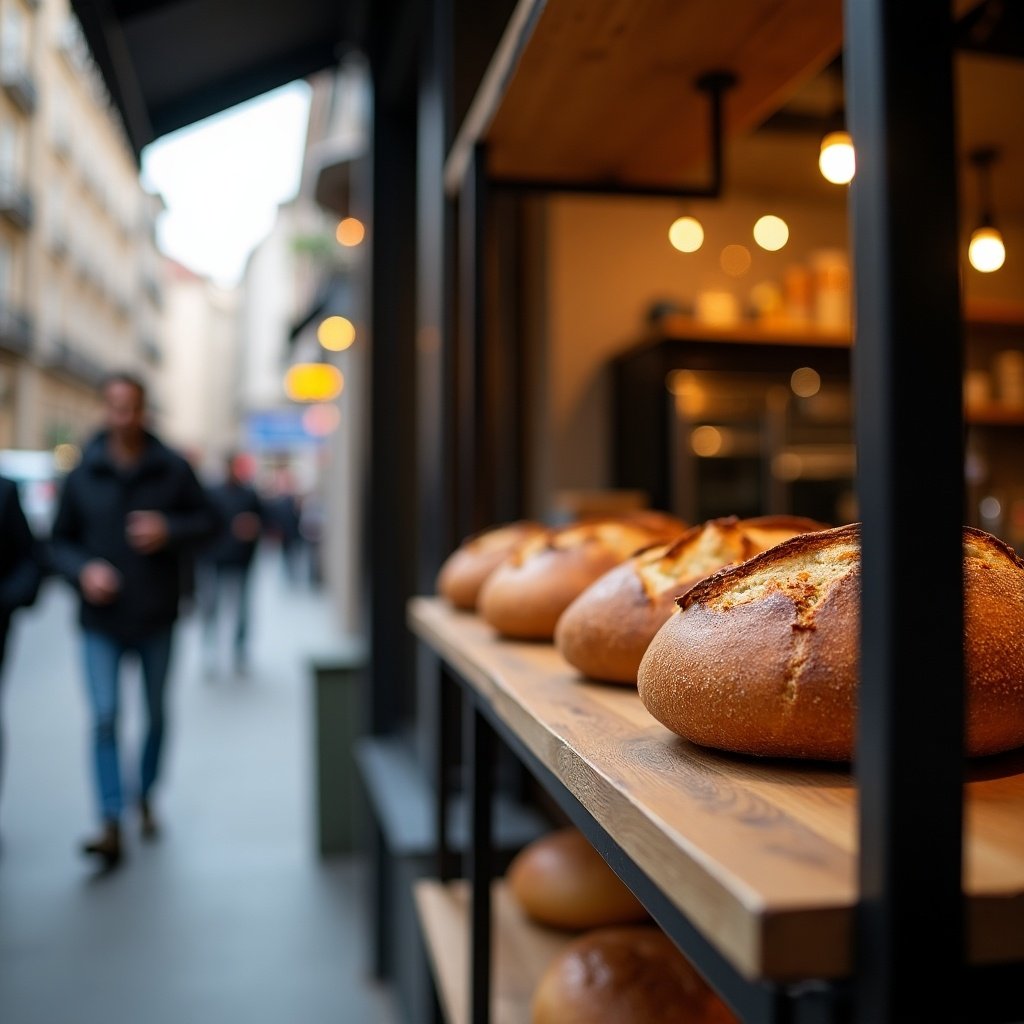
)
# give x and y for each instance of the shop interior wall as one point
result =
(595, 267)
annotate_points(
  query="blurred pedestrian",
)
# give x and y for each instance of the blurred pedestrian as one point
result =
(284, 513)
(21, 566)
(225, 565)
(126, 515)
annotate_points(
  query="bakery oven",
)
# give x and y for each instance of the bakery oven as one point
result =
(712, 429)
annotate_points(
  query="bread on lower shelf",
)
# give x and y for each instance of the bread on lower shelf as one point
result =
(764, 657)
(625, 975)
(561, 881)
(605, 631)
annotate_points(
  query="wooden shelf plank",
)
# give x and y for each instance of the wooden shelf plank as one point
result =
(678, 327)
(994, 415)
(760, 855)
(522, 950)
(604, 93)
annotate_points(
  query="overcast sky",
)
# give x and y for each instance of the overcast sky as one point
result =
(223, 178)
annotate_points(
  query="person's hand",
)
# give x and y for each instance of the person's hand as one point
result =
(100, 581)
(245, 526)
(146, 531)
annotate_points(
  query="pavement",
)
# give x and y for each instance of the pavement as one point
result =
(231, 915)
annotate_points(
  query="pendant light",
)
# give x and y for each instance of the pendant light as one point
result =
(986, 250)
(837, 160)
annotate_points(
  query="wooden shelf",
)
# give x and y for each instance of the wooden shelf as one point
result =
(994, 415)
(522, 950)
(760, 855)
(603, 93)
(678, 327)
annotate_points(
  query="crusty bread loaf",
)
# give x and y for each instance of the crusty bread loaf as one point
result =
(465, 569)
(628, 975)
(607, 628)
(764, 657)
(561, 881)
(525, 595)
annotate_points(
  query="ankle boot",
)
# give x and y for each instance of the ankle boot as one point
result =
(107, 844)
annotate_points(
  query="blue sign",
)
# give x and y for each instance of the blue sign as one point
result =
(277, 430)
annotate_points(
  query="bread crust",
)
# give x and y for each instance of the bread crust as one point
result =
(561, 881)
(463, 572)
(525, 595)
(605, 631)
(622, 975)
(763, 658)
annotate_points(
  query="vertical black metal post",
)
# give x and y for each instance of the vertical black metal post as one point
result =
(390, 464)
(443, 765)
(907, 357)
(482, 751)
(473, 513)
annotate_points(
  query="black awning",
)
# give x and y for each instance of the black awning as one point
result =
(168, 63)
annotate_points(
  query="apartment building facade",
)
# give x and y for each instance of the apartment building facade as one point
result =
(81, 287)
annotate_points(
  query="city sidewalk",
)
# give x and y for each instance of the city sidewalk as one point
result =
(230, 916)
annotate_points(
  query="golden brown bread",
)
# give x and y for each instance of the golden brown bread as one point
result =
(525, 595)
(465, 569)
(763, 658)
(561, 881)
(631, 975)
(607, 628)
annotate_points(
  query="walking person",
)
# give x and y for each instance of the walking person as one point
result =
(224, 567)
(21, 567)
(127, 514)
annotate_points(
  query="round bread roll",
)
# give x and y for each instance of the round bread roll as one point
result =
(764, 657)
(465, 569)
(561, 881)
(625, 976)
(525, 595)
(605, 631)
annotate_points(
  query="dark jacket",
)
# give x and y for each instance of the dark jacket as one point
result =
(90, 523)
(232, 499)
(21, 562)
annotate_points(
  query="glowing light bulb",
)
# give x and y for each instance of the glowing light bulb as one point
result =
(986, 251)
(686, 234)
(837, 161)
(771, 232)
(336, 333)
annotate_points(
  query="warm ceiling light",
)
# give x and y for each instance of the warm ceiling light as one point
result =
(336, 333)
(837, 161)
(986, 251)
(313, 382)
(350, 232)
(771, 232)
(686, 234)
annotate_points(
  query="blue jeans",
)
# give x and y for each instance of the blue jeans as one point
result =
(103, 656)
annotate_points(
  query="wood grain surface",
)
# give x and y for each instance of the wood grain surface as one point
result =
(522, 950)
(760, 855)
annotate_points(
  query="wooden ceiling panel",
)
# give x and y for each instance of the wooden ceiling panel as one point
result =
(605, 92)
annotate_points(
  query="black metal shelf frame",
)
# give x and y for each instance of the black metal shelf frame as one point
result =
(910, 935)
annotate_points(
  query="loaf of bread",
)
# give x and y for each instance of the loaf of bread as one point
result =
(530, 589)
(627, 975)
(465, 569)
(605, 631)
(561, 881)
(764, 657)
